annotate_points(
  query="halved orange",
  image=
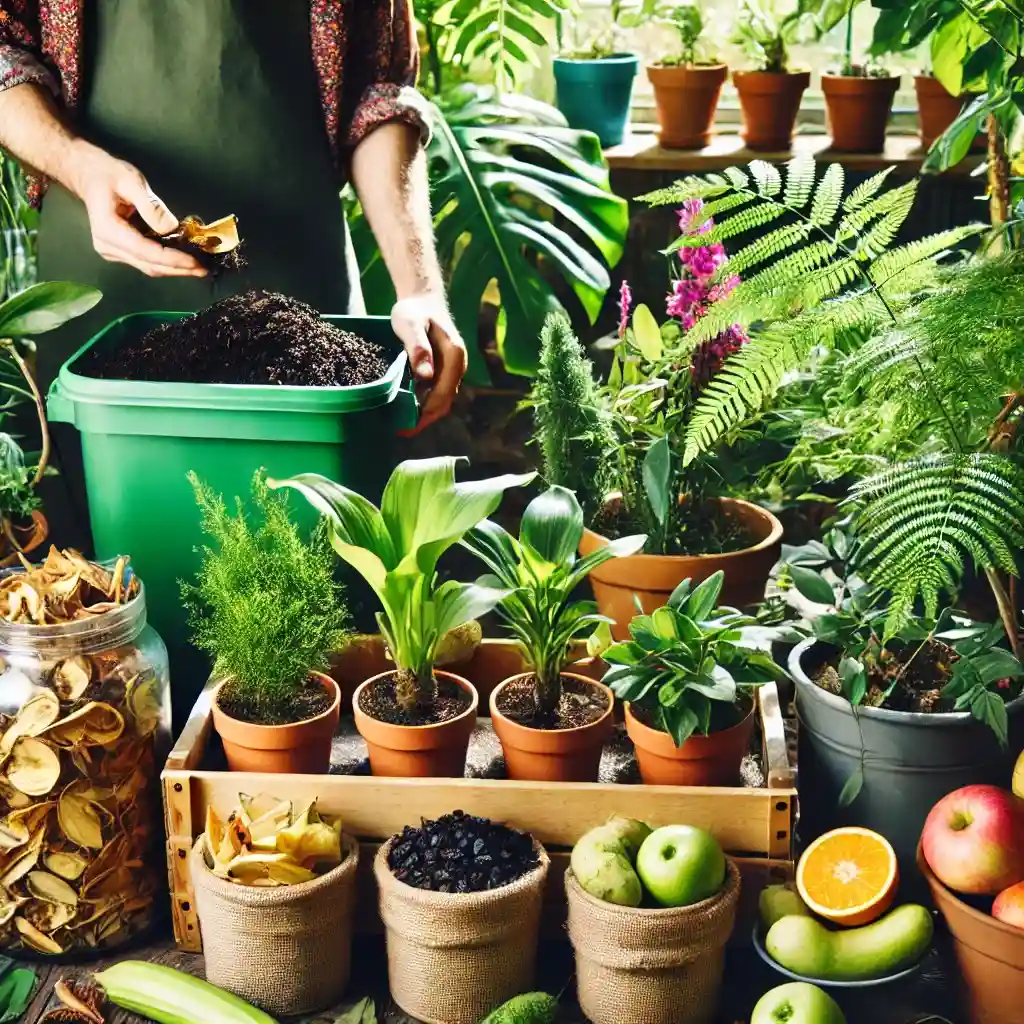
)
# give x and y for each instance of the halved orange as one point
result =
(848, 876)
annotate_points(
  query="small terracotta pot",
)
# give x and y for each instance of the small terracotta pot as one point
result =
(652, 578)
(989, 953)
(858, 111)
(30, 537)
(770, 102)
(553, 755)
(298, 748)
(418, 751)
(712, 760)
(687, 98)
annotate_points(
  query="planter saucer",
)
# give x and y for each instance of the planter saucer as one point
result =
(882, 979)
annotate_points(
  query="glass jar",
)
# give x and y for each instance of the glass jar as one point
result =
(84, 728)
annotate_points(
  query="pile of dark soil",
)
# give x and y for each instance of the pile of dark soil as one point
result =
(461, 853)
(307, 702)
(254, 338)
(694, 530)
(379, 702)
(580, 705)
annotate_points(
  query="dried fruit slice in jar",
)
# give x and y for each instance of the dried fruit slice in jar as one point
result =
(34, 767)
(79, 816)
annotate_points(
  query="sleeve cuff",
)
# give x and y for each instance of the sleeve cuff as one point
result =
(19, 67)
(387, 102)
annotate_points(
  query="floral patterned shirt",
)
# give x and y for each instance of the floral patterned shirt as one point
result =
(364, 52)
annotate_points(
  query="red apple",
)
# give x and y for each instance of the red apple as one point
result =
(1009, 906)
(973, 840)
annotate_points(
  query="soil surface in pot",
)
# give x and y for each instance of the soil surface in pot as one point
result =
(723, 716)
(461, 853)
(254, 338)
(308, 701)
(695, 530)
(900, 684)
(380, 702)
(580, 705)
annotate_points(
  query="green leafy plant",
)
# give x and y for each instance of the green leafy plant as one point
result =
(17, 231)
(541, 571)
(606, 40)
(686, 21)
(764, 34)
(688, 658)
(265, 604)
(395, 548)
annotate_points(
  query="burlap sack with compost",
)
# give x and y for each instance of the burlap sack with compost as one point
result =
(454, 957)
(637, 966)
(287, 949)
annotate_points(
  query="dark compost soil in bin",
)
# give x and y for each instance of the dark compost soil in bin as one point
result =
(253, 338)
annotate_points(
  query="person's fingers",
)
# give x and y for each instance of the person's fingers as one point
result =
(113, 255)
(413, 335)
(133, 188)
(451, 361)
(111, 232)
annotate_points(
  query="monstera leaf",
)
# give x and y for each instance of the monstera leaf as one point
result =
(519, 200)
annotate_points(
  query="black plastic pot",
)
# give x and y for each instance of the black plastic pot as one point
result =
(911, 760)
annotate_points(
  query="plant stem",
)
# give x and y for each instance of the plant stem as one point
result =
(433, 57)
(1007, 610)
(548, 691)
(848, 48)
(998, 182)
(44, 430)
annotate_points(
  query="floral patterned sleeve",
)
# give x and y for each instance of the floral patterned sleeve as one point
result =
(19, 46)
(380, 68)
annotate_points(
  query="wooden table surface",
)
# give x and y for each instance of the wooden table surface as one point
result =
(927, 997)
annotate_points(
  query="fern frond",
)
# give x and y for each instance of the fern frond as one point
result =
(769, 181)
(828, 195)
(746, 220)
(891, 264)
(800, 175)
(767, 247)
(690, 187)
(883, 232)
(899, 198)
(866, 190)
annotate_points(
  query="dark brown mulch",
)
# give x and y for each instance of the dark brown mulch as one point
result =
(379, 702)
(580, 705)
(307, 702)
(254, 338)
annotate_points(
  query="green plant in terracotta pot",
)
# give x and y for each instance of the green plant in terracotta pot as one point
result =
(265, 605)
(688, 675)
(416, 721)
(552, 724)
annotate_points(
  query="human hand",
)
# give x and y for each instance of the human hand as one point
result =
(112, 191)
(437, 354)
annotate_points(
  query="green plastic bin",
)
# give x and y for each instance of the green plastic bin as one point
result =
(140, 439)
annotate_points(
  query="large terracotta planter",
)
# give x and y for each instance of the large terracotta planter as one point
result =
(553, 755)
(652, 578)
(770, 102)
(687, 98)
(298, 748)
(712, 760)
(858, 111)
(418, 751)
(937, 109)
(989, 953)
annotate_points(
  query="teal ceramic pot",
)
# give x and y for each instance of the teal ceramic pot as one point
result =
(595, 95)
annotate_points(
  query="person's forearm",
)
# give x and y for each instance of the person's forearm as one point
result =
(389, 172)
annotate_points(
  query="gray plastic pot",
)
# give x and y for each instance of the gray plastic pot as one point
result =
(911, 760)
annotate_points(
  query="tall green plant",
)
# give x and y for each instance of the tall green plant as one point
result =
(764, 34)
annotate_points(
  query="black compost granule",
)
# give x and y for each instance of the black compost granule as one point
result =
(253, 338)
(461, 853)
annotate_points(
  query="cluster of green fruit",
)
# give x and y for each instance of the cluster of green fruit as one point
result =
(799, 942)
(624, 861)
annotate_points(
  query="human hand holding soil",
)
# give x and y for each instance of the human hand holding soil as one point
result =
(437, 353)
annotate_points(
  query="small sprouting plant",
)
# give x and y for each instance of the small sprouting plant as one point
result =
(764, 35)
(265, 605)
(687, 22)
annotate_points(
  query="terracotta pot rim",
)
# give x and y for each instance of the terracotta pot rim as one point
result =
(460, 681)
(320, 677)
(576, 730)
(761, 73)
(647, 730)
(874, 82)
(711, 65)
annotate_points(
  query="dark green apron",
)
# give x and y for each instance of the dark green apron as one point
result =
(216, 102)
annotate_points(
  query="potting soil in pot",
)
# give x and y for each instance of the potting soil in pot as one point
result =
(380, 702)
(253, 338)
(580, 705)
(461, 853)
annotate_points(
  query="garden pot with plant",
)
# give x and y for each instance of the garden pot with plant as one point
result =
(770, 93)
(462, 891)
(416, 721)
(937, 108)
(552, 724)
(265, 606)
(686, 89)
(688, 676)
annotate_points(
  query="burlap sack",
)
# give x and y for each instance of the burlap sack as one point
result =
(286, 949)
(454, 957)
(636, 966)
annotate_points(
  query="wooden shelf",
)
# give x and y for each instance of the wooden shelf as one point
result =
(641, 151)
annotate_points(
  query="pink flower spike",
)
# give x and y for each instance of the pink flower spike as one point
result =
(625, 305)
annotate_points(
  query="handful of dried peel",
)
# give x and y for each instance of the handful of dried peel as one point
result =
(271, 842)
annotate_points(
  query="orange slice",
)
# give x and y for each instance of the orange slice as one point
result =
(848, 876)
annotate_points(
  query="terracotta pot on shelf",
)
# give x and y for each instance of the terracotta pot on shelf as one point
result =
(553, 755)
(30, 536)
(937, 109)
(712, 760)
(418, 751)
(687, 98)
(770, 102)
(652, 578)
(989, 954)
(300, 748)
(858, 111)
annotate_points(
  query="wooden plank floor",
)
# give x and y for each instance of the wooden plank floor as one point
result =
(906, 1002)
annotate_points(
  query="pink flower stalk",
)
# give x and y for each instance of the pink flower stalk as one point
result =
(709, 357)
(625, 305)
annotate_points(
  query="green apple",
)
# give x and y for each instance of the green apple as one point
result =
(680, 865)
(778, 901)
(797, 1003)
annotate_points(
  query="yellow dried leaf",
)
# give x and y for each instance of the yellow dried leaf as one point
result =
(278, 867)
(254, 807)
(79, 817)
(145, 705)
(26, 860)
(9, 907)
(45, 886)
(94, 724)
(315, 843)
(33, 937)
(34, 768)
(67, 865)
(37, 714)
(71, 678)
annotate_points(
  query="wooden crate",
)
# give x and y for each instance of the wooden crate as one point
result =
(754, 825)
